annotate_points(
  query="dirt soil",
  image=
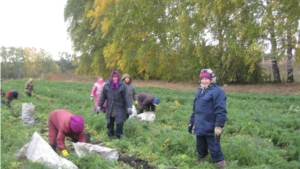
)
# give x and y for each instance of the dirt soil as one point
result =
(135, 162)
(270, 88)
(284, 88)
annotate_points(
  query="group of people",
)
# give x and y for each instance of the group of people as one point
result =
(206, 121)
(115, 98)
(14, 94)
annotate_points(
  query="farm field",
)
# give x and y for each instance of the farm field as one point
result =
(262, 129)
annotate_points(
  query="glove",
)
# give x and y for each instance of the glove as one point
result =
(136, 102)
(64, 153)
(218, 131)
(92, 98)
(98, 110)
(190, 128)
(129, 111)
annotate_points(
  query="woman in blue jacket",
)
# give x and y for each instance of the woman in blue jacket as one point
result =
(208, 118)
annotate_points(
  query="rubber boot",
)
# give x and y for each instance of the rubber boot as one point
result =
(221, 164)
(200, 160)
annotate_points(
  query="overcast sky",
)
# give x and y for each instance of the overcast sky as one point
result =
(34, 23)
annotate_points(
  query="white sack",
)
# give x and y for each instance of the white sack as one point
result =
(146, 116)
(38, 150)
(28, 114)
(84, 148)
(134, 113)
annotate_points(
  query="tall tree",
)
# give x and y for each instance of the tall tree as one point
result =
(235, 31)
(87, 42)
(165, 39)
(4, 62)
(270, 25)
(290, 18)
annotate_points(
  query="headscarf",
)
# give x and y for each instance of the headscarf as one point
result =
(99, 82)
(77, 123)
(112, 84)
(125, 76)
(213, 76)
(206, 75)
(156, 101)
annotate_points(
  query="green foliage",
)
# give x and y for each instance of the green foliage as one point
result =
(27, 62)
(165, 39)
(262, 130)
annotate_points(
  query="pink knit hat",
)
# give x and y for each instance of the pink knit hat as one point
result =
(205, 74)
(77, 123)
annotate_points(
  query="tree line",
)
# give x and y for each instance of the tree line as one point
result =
(173, 40)
(18, 62)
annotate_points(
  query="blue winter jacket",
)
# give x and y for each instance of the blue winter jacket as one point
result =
(209, 110)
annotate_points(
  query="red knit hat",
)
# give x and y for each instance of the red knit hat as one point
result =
(205, 74)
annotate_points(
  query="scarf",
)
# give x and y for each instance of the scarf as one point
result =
(112, 84)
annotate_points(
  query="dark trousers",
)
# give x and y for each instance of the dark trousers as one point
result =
(28, 94)
(111, 126)
(151, 107)
(209, 142)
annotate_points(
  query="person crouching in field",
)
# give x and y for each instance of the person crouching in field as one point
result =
(11, 95)
(118, 107)
(147, 102)
(208, 118)
(96, 93)
(29, 87)
(62, 123)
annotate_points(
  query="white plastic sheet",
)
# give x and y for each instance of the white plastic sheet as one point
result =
(146, 116)
(134, 113)
(38, 150)
(104, 152)
(28, 114)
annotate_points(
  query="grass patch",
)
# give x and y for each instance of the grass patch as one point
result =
(262, 130)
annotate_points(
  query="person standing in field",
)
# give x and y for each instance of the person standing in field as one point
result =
(2, 93)
(147, 102)
(118, 107)
(29, 87)
(208, 118)
(62, 123)
(96, 93)
(130, 89)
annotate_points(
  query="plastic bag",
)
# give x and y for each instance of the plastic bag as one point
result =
(38, 150)
(134, 113)
(105, 152)
(28, 114)
(146, 116)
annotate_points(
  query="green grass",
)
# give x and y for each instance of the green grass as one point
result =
(262, 130)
